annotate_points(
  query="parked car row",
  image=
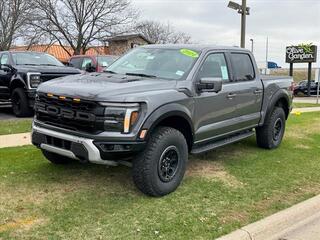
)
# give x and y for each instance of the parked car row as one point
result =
(21, 72)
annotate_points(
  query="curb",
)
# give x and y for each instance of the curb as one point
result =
(15, 140)
(270, 227)
(306, 109)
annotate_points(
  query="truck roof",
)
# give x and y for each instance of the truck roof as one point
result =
(196, 47)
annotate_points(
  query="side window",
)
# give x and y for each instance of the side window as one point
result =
(85, 62)
(242, 67)
(214, 66)
(4, 59)
(76, 62)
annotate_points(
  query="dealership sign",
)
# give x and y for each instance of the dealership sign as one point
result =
(301, 53)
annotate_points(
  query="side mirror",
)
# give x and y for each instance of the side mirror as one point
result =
(6, 68)
(209, 85)
(90, 68)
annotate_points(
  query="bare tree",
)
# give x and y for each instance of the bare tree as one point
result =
(158, 32)
(14, 14)
(79, 23)
(35, 36)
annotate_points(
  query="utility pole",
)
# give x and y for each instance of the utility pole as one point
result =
(243, 23)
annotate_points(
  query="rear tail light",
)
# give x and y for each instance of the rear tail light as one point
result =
(292, 86)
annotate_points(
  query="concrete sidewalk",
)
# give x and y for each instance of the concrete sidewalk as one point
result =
(15, 140)
(305, 99)
(299, 222)
(306, 109)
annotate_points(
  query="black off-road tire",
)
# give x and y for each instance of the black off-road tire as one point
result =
(270, 135)
(55, 158)
(20, 103)
(151, 173)
(300, 94)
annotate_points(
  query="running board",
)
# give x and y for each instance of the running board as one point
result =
(212, 145)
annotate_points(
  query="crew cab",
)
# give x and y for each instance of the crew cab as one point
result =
(21, 72)
(156, 105)
(91, 63)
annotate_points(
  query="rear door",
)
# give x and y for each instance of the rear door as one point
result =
(248, 89)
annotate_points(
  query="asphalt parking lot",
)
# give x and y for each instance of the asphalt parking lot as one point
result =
(6, 112)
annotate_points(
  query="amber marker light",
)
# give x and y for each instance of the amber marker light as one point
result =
(130, 119)
(49, 95)
(143, 134)
(62, 98)
(76, 100)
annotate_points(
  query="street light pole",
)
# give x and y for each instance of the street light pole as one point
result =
(243, 23)
(244, 11)
(267, 54)
(251, 40)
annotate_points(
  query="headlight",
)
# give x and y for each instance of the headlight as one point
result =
(121, 118)
(35, 80)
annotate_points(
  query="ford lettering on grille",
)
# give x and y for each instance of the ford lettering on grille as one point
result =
(64, 113)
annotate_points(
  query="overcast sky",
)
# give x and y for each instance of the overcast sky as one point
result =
(285, 22)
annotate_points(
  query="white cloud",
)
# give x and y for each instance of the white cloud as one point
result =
(285, 22)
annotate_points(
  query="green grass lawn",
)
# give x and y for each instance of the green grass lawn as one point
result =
(223, 190)
(15, 126)
(302, 105)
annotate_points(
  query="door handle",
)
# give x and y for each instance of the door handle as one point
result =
(231, 95)
(257, 91)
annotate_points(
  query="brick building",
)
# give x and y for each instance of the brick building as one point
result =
(119, 45)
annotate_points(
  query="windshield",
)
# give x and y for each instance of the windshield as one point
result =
(33, 58)
(162, 63)
(105, 61)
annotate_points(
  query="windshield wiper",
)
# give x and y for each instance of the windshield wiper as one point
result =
(48, 64)
(28, 64)
(108, 71)
(141, 75)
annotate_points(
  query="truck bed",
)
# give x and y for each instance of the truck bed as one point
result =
(274, 77)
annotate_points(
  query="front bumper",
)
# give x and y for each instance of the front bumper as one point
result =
(31, 93)
(84, 149)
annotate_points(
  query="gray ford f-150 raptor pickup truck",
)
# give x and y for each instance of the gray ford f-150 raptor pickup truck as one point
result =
(20, 74)
(155, 105)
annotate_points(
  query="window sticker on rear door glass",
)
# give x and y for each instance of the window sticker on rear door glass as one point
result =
(224, 72)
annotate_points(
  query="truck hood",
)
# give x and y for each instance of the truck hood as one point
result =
(104, 86)
(47, 69)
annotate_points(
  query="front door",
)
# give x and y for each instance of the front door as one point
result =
(4, 77)
(214, 112)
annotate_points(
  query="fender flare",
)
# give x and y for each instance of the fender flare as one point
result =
(165, 111)
(280, 94)
(17, 81)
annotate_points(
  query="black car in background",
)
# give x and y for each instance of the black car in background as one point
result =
(21, 72)
(302, 88)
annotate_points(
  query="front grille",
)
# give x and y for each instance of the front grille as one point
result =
(84, 116)
(48, 76)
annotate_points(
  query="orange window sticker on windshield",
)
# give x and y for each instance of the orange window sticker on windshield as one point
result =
(189, 53)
